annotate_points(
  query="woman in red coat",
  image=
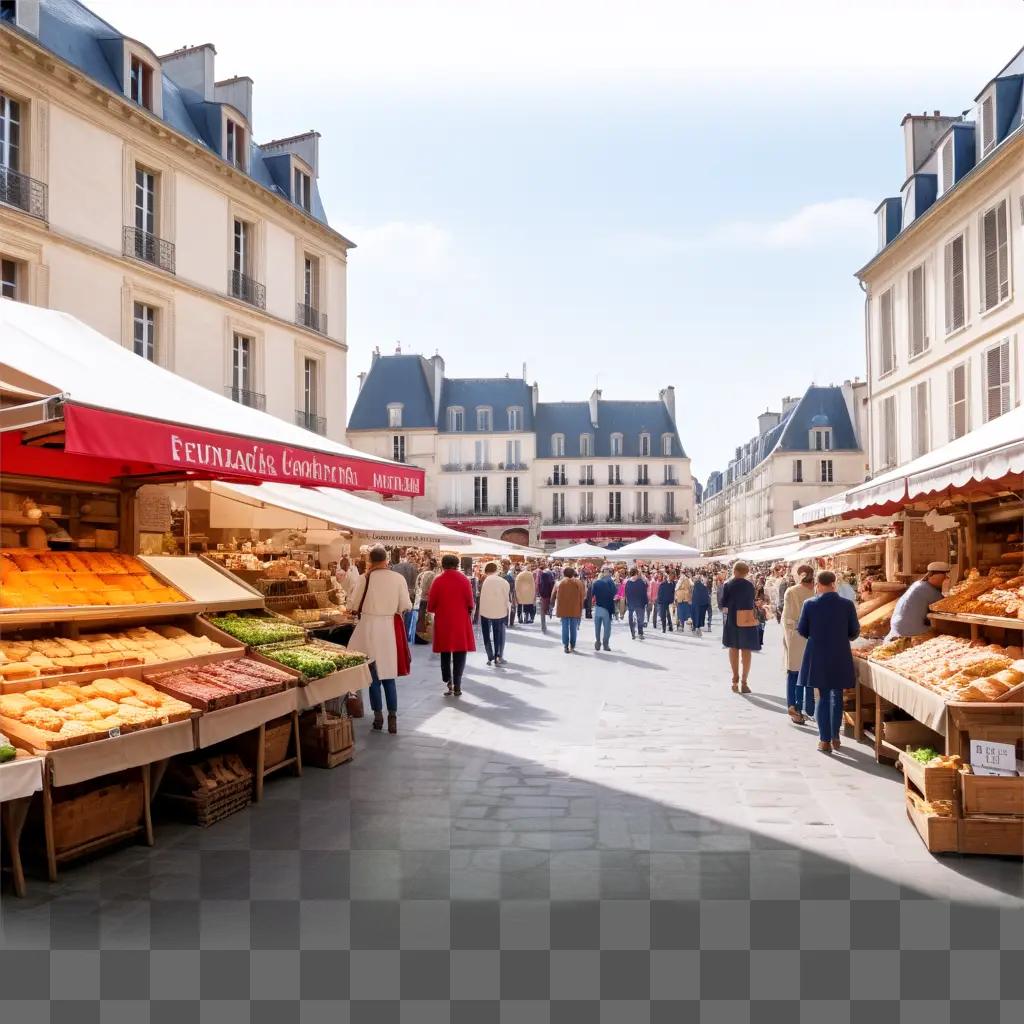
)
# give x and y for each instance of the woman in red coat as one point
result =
(451, 604)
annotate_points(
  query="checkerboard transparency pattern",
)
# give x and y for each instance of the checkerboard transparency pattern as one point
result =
(439, 880)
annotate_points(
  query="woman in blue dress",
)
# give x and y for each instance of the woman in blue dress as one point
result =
(740, 631)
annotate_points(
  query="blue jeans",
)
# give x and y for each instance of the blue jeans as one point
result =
(411, 618)
(390, 692)
(495, 628)
(829, 714)
(637, 616)
(682, 612)
(602, 624)
(797, 696)
(570, 627)
(700, 613)
(663, 615)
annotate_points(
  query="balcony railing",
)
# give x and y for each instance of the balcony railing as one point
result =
(558, 481)
(310, 420)
(487, 510)
(309, 316)
(642, 517)
(23, 192)
(241, 286)
(670, 482)
(587, 481)
(513, 466)
(557, 520)
(141, 245)
(643, 481)
(670, 517)
(242, 396)
(586, 517)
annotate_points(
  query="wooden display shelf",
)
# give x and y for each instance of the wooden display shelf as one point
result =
(95, 614)
(932, 783)
(978, 620)
(939, 833)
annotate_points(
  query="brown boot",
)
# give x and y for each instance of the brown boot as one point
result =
(378, 720)
(392, 724)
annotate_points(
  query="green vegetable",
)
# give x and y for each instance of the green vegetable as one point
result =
(7, 753)
(924, 754)
(315, 662)
(255, 631)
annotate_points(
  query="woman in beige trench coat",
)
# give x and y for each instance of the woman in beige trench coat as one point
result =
(798, 701)
(379, 595)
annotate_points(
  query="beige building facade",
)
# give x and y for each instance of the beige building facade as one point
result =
(133, 196)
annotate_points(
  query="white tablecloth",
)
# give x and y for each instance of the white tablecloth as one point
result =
(21, 778)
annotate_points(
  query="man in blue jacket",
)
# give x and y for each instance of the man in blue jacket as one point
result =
(545, 587)
(636, 602)
(666, 595)
(603, 601)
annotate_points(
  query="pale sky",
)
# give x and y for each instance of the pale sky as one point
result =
(633, 194)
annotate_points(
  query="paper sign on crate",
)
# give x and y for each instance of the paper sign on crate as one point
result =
(991, 758)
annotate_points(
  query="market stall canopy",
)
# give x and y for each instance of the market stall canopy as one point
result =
(482, 547)
(107, 414)
(993, 451)
(793, 550)
(284, 506)
(656, 547)
(581, 551)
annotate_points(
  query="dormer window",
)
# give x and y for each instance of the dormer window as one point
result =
(394, 416)
(140, 83)
(515, 418)
(586, 445)
(645, 444)
(666, 444)
(946, 181)
(456, 419)
(616, 444)
(821, 439)
(302, 189)
(987, 119)
(483, 419)
(558, 445)
(234, 144)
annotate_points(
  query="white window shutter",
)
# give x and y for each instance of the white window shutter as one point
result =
(1002, 251)
(916, 305)
(955, 297)
(988, 128)
(947, 165)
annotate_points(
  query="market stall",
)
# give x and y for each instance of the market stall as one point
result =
(655, 549)
(581, 551)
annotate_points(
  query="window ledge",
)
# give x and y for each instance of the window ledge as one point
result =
(888, 373)
(956, 332)
(983, 313)
(918, 356)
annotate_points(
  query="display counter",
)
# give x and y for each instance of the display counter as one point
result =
(20, 779)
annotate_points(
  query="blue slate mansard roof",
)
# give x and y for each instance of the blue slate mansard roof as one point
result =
(401, 379)
(496, 393)
(630, 419)
(81, 38)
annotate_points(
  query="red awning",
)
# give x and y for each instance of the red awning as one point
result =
(471, 525)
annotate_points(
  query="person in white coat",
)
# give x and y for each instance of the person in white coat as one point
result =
(378, 597)
(799, 699)
(495, 601)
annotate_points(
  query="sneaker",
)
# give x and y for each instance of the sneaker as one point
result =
(606, 647)
(489, 663)
(597, 645)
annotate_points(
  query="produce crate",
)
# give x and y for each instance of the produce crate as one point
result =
(208, 791)
(938, 832)
(277, 735)
(996, 836)
(931, 783)
(990, 794)
(327, 739)
(910, 733)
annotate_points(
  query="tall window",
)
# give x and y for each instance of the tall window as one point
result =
(483, 419)
(959, 401)
(995, 256)
(640, 504)
(512, 493)
(144, 333)
(886, 335)
(398, 447)
(997, 380)
(558, 445)
(10, 133)
(513, 453)
(395, 416)
(310, 282)
(826, 471)
(145, 202)
(310, 389)
(481, 453)
(670, 505)
(666, 444)
(645, 444)
(642, 476)
(586, 445)
(140, 86)
(821, 439)
(888, 440)
(798, 471)
(456, 419)
(515, 418)
(241, 256)
(615, 506)
(241, 368)
(955, 284)
(479, 494)
(587, 506)
(670, 474)
(234, 147)
(615, 474)
(920, 426)
(301, 189)
(8, 279)
(558, 506)
(916, 304)
(616, 444)
(558, 476)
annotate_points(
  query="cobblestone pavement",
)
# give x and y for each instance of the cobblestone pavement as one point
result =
(590, 837)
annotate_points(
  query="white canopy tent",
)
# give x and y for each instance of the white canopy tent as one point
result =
(658, 548)
(581, 551)
(482, 547)
(792, 550)
(284, 506)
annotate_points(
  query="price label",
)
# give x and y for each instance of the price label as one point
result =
(115, 732)
(991, 758)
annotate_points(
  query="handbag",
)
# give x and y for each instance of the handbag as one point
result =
(746, 617)
(354, 704)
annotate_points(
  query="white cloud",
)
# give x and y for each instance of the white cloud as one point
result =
(826, 223)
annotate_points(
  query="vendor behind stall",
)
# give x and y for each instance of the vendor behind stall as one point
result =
(910, 617)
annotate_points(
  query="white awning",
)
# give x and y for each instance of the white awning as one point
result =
(794, 549)
(656, 547)
(828, 508)
(581, 551)
(484, 547)
(323, 507)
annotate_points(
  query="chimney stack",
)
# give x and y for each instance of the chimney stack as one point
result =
(595, 397)
(668, 397)
(920, 133)
(437, 383)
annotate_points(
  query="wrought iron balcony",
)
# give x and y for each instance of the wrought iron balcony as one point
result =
(487, 510)
(310, 420)
(642, 517)
(557, 520)
(141, 245)
(615, 517)
(242, 396)
(513, 466)
(241, 286)
(309, 316)
(23, 192)
(670, 482)
(587, 481)
(558, 481)
(586, 517)
(670, 517)
(452, 467)
(643, 481)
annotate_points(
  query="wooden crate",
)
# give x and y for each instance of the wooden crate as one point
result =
(902, 734)
(98, 813)
(989, 794)
(931, 783)
(938, 833)
(327, 739)
(209, 790)
(992, 835)
(276, 740)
